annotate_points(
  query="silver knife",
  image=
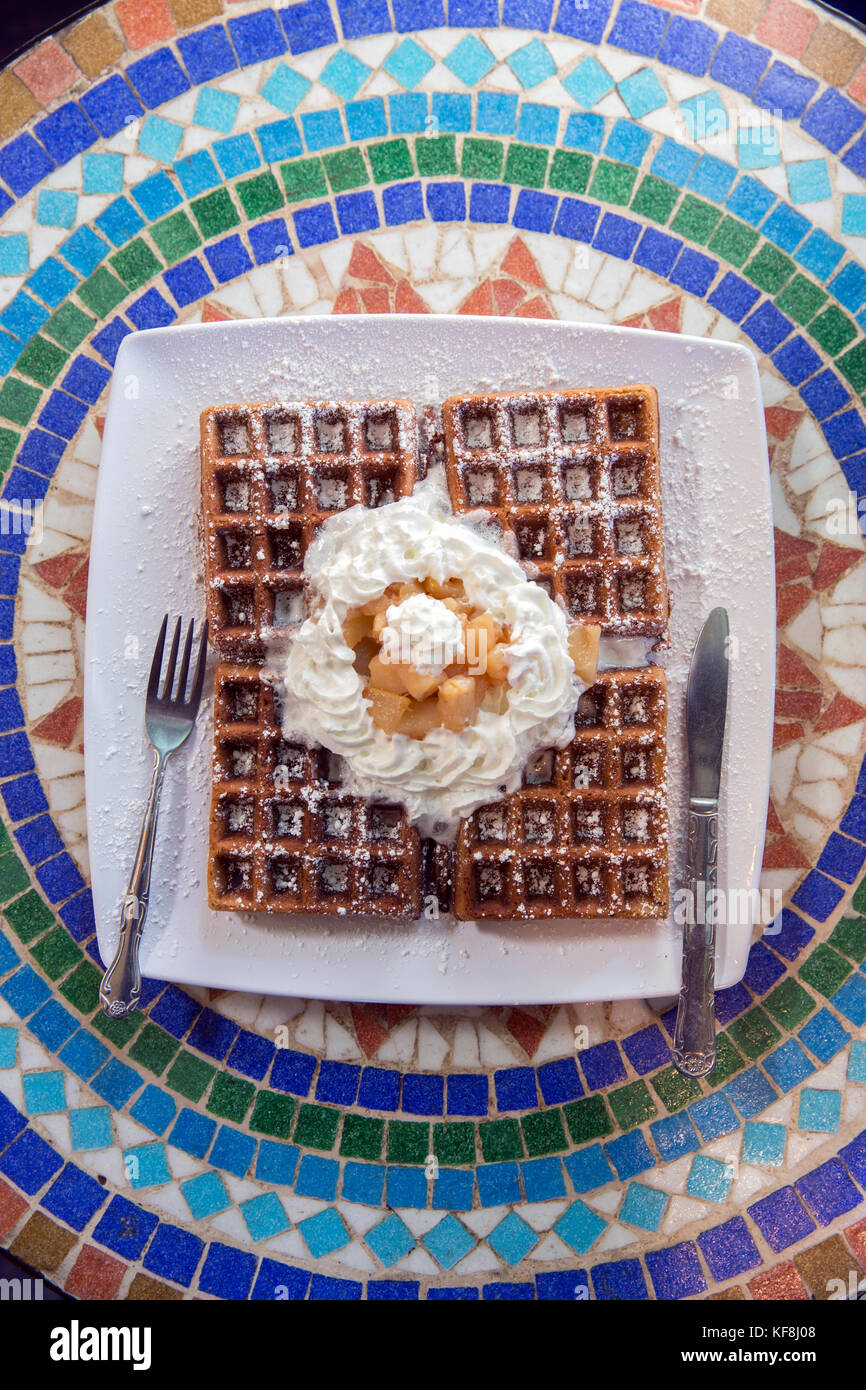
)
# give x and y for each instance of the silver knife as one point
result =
(694, 1049)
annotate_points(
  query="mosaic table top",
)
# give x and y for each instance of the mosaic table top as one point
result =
(696, 166)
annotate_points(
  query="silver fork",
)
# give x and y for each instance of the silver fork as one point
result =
(169, 718)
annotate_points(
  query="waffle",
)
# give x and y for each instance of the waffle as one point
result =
(270, 475)
(586, 834)
(284, 835)
(574, 476)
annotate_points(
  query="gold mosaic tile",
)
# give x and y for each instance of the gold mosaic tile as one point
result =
(825, 1264)
(834, 54)
(189, 12)
(17, 105)
(739, 15)
(93, 44)
(42, 1244)
(151, 1290)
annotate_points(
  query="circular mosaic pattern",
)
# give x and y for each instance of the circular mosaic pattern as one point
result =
(695, 168)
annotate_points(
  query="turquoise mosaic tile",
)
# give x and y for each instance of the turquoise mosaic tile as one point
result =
(264, 1216)
(90, 1127)
(710, 1179)
(408, 63)
(160, 139)
(531, 64)
(763, 1143)
(809, 181)
(470, 60)
(344, 75)
(642, 92)
(705, 115)
(588, 82)
(820, 1111)
(216, 109)
(285, 88)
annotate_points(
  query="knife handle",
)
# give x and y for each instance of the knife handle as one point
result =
(694, 1049)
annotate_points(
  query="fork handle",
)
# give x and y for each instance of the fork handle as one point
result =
(120, 990)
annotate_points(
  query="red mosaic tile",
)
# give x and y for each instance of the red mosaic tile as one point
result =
(856, 1237)
(480, 300)
(211, 314)
(857, 86)
(527, 1030)
(376, 300)
(365, 265)
(520, 263)
(536, 308)
(780, 421)
(839, 714)
(48, 71)
(790, 601)
(636, 321)
(784, 854)
(786, 545)
(99, 422)
(347, 302)
(369, 1033)
(95, 1275)
(774, 825)
(395, 1013)
(787, 733)
(12, 1208)
(144, 21)
(58, 569)
(792, 673)
(507, 294)
(833, 562)
(667, 317)
(786, 27)
(60, 725)
(796, 567)
(798, 704)
(782, 1282)
(408, 301)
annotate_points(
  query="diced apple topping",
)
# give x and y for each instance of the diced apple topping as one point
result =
(583, 647)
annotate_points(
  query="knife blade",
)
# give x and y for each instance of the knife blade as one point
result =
(694, 1047)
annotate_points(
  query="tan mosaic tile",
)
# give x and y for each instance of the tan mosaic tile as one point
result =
(93, 44)
(739, 15)
(826, 1263)
(17, 104)
(190, 12)
(732, 1295)
(42, 1244)
(151, 1290)
(834, 54)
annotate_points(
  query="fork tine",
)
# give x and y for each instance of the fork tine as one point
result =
(156, 664)
(184, 665)
(172, 662)
(198, 680)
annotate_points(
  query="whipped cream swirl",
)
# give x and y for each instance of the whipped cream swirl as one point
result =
(446, 775)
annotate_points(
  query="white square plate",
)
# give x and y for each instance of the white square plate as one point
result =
(145, 561)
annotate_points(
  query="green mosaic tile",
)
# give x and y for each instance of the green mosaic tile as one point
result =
(119, 1031)
(391, 160)
(273, 1114)
(833, 330)
(695, 219)
(526, 165)
(9, 442)
(29, 917)
(500, 1140)
(408, 1141)
(215, 213)
(14, 877)
(154, 1048)
(754, 1034)
(728, 1061)
(436, 155)
(136, 264)
(849, 937)
(858, 901)
(82, 988)
(56, 953)
(316, 1127)
(569, 171)
(733, 241)
(612, 183)
(770, 269)
(230, 1097)
(176, 237)
(632, 1104)
(259, 195)
(482, 159)
(345, 169)
(801, 299)
(69, 325)
(587, 1119)
(362, 1137)
(852, 365)
(189, 1075)
(5, 840)
(18, 400)
(825, 970)
(789, 1003)
(454, 1144)
(655, 199)
(304, 178)
(41, 361)
(544, 1133)
(675, 1090)
(102, 292)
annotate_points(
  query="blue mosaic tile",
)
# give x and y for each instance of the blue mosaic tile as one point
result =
(111, 105)
(767, 328)
(527, 14)
(758, 147)
(158, 77)
(8, 1047)
(277, 1162)
(205, 1195)
(207, 54)
(44, 1092)
(264, 1216)
(739, 63)
(646, 1049)
(452, 112)
(467, 1094)
(673, 1136)
(257, 36)
(334, 1290)
(275, 1280)
(676, 1272)
(785, 227)
(785, 92)
(674, 162)
(293, 1072)
(601, 1065)
(841, 857)
(379, 1088)
(534, 212)
(423, 1094)
(308, 25)
(588, 82)
(688, 45)
(781, 1218)
(318, 1177)
(146, 1166)
(512, 1239)
(583, 19)
(695, 272)
(750, 1092)
(452, 1190)
(729, 1249)
(496, 113)
(192, 1132)
(23, 316)
(627, 143)
(52, 1025)
(285, 88)
(406, 1187)
(407, 113)
(65, 133)
(324, 1233)
(270, 240)
(154, 1109)
(228, 259)
(763, 969)
(704, 115)
(619, 1280)
(314, 226)
(538, 124)
(393, 1290)
(469, 61)
(124, 1228)
(853, 1155)
(515, 1089)
(847, 430)
(580, 1227)
(828, 1191)
(710, 1179)
(712, 178)
(644, 1207)
(832, 120)
(84, 1055)
(14, 254)
(823, 1035)
(408, 63)
(226, 1272)
(796, 361)
(12, 1122)
(788, 1065)
(173, 1254)
(233, 1151)
(391, 1240)
(213, 1035)
(359, 18)
(452, 1294)
(820, 1111)
(55, 207)
(542, 1179)
(638, 28)
(366, 119)
(498, 1184)
(857, 1062)
(713, 1116)
(584, 131)
(819, 254)
(630, 1154)
(344, 74)
(25, 990)
(23, 163)
(532, 64)
(751, 200)
(402, 203)
(364, 1182)
(642, 93)
(29, 1162)
(850, 1000)
(279, 140)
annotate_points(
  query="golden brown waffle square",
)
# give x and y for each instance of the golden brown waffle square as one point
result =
(587, 833)
(574, 476)
(284, 835)
(270, 475)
